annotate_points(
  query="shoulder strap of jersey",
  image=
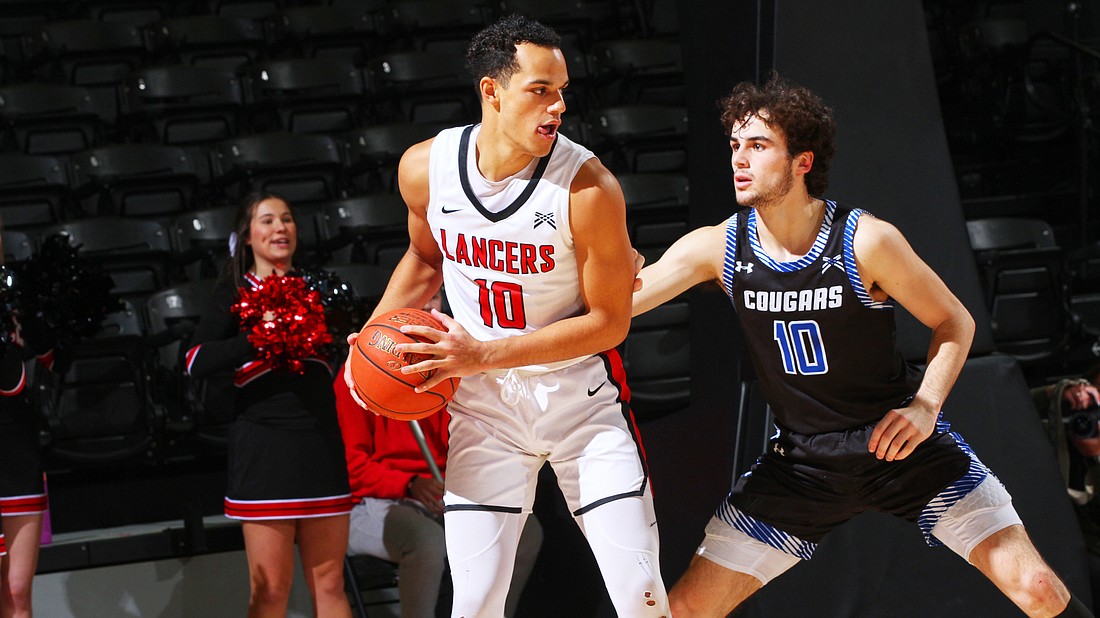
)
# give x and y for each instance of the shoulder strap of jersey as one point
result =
(850, 267)
(729, 261)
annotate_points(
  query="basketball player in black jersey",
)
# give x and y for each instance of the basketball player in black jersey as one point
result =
(814, 285)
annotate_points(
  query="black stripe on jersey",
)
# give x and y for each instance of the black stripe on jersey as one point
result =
(482, 507)
(630, 494)
(464, 177)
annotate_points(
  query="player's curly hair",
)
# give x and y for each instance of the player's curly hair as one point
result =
(800, 115)
(492, 52)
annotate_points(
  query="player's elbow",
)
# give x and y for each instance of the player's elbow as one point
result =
(965, 324)
(959, 328)
(613, 330)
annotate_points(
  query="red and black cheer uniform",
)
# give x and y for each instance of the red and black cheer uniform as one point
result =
(22, 490)
(286, 457)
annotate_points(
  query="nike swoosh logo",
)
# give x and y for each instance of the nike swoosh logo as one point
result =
(593, 391)
(447, 212)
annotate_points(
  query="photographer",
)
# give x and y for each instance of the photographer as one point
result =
(1071, 408)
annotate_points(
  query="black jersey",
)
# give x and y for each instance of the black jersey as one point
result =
(825, 352)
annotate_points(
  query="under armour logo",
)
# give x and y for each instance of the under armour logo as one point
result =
(544, 217)
(827, 262)
(742, 267)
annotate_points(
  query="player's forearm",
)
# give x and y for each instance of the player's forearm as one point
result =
(688, 262)
(412, 284)
(569, 338)
(947, 353)
(660, 285)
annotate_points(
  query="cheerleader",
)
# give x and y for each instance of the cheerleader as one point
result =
(22, 489)
(287, 476)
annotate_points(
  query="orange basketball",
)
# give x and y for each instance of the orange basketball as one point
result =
(376, 369)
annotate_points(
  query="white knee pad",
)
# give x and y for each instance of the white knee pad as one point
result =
(729, 547)
(985, 510)
(624, 540)
(481, 548)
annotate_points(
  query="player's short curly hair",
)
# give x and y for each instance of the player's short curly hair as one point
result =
(800, 115)
(492, 52)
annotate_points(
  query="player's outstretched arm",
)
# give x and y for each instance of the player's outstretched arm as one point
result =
(890, 267)
(694, 258)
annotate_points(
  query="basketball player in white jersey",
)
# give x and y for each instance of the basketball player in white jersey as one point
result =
(814, 284)
(527, 231)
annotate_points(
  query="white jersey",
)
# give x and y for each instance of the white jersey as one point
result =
(509, 262)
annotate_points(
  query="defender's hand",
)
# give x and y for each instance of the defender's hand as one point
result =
(901, 430)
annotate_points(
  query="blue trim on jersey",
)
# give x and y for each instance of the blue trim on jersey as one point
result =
(767, 534)
(729, 261)
(958, 490)
(850, 263)
(802, 262)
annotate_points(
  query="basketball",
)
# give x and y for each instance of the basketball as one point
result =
(376, 368)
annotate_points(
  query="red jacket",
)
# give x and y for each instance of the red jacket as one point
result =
(382, 453)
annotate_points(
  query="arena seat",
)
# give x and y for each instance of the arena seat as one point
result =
(206, 40)
(303, 168)
(34, 190)
(1024, 280)
(303, 95)
(181, 104)
(369, 229)
(135, 180)
(50, 119)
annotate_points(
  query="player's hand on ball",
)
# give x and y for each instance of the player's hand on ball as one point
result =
(455, 354)
(901, 430)
(349, 381)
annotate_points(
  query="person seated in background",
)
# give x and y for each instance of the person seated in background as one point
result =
(398, 515)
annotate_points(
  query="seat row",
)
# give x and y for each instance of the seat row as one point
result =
(143, 256)
(382, 17)
(155, 203)
(79, 47)
(319, 94)
(160, 181)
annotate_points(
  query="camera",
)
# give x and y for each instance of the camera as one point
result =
(1084, 431)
